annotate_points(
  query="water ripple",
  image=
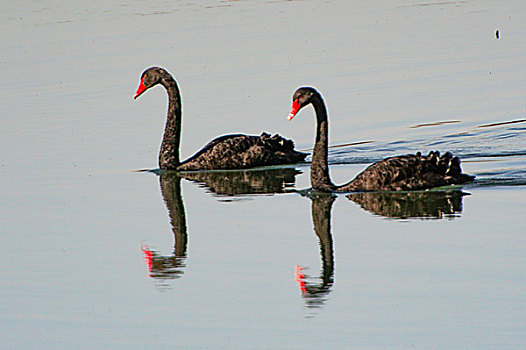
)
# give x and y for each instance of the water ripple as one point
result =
(486, 140)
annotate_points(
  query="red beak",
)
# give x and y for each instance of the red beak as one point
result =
(140, 89)
(295, 108)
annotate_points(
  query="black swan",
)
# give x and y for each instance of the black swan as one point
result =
(225, 152)
(400, 173)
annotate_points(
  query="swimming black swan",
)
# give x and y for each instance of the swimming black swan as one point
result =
(225, 152)
(401, 173)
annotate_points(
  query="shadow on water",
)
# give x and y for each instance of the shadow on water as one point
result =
(228, 184)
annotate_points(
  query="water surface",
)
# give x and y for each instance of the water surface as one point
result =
(98, 255)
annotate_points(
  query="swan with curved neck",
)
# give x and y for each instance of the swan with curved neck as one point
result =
(235, 151)
(400, 173)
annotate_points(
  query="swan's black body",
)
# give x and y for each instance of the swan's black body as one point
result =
(225, 152)
(401, 173)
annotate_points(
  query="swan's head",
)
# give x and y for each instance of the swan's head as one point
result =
(149, 78)
(301, 98)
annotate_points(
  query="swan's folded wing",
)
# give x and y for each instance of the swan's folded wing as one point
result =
(411, 172)
(239, 151)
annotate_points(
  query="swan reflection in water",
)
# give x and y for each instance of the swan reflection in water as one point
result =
(248, 182)
(221, 183)
(170, 267)
(411, 205)
(232, 184)
(315, 293)
(395, 205)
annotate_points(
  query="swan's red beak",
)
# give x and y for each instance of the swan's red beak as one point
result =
(295, 108)
(140, 89)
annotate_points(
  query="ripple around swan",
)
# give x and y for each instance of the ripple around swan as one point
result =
(499, 140)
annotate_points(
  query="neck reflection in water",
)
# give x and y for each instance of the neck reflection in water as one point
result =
(170, 267)
(229, 184)
(315, 293)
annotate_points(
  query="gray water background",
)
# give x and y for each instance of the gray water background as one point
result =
(76, 217)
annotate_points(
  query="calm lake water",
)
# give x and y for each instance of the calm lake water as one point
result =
(97, 255)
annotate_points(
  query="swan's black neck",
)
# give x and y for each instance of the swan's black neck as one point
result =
(319, 171)
(169, 153)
